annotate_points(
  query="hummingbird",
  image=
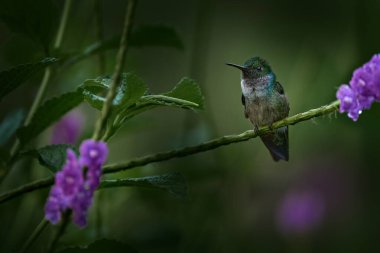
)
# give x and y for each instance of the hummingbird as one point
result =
(264, 103)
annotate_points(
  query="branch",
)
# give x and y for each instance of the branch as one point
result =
(222, 141)
(163, 156)
(37, 231)
(39, 184)
(120, 58)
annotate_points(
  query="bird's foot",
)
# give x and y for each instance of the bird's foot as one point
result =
(255, 128)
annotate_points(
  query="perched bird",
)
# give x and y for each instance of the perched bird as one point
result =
(264, 103)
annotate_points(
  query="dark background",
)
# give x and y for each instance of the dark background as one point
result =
(235, 192)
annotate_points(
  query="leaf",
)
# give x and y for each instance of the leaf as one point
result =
(144, 36)
(93, 100)
(128, 93)
(187, 89)
(48, 113)
(131, 90)
(131, 101)
(52, 157)
(12, 78)
(91, 87)
(10, 124)
(101, 246)
(174, 183)
(186, 94)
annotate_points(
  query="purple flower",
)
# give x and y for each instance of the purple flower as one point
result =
(68, 129)
(93, 153)
(364, 89)
(67, 183)
(53, 210)
(81, 203)
(300, 212)
(348, 102)
(75, 184)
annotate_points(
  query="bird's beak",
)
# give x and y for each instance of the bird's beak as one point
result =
(242, 68)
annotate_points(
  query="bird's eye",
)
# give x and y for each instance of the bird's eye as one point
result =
(259, 68)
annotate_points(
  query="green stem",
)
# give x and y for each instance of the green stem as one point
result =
(60, 232)
(102, 69)
(209, 145)
(40, 93)
(120, 58)
(37, 231)
(38, 184)
(44, 83)
(222, 141)
(62, 24)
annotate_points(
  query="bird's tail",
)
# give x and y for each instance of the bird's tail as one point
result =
(277, 143)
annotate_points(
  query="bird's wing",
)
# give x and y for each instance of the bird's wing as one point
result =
(245, 107)
(280, 91)
(279, 88)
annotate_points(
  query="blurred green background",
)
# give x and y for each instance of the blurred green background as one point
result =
(237, 194)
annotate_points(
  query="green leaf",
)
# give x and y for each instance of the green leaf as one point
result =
(93, 100)
(174, 183)
(48, 113)
(144, 36)
(52, 157)
(91, 88)
(187, 89)
(186, 94)
(130, 91)
(10, 124)
(12, 78)
(101, 246)
(96, 85)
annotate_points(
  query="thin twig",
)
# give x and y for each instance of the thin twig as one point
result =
(120, 58)
(102, 69)
(222, 141)
(209, 145)
(38, 184)
(37, 231)
(62, 24)
(60, 232)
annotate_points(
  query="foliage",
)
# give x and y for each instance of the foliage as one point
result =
(48, 113)
(174, 183)
(14, 77)
(10, 124)
(37, 20)
(132, 98)
(52, 157)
